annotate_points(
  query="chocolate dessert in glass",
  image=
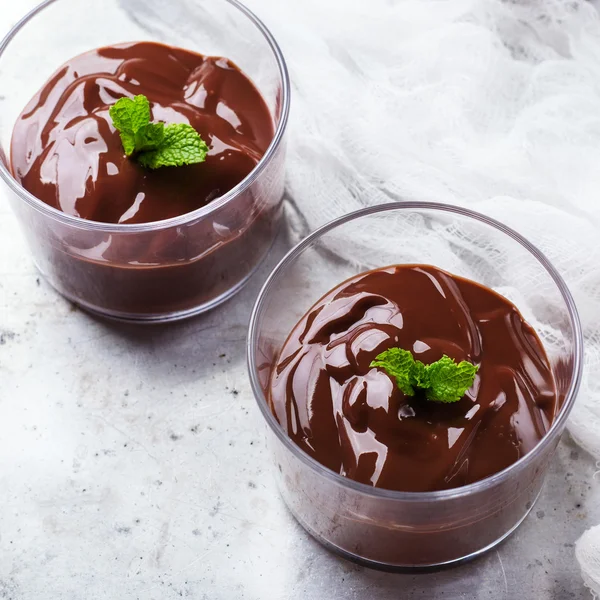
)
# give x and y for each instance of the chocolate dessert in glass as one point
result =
(151, 232)
(415, 364)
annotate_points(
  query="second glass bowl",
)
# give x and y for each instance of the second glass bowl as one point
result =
(391, 529)
(192, 262)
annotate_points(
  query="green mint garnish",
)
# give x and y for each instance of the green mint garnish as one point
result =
(180, 145)
(448, 381)
(442, 381)
(400, 364)
(155, 144)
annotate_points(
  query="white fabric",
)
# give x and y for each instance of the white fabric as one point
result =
(587, 551)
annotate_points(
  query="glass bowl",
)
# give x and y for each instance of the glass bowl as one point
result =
(399, 530)
(192, 262)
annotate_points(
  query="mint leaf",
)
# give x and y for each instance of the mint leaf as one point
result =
(149, 137)
(129, 116)
(442, 381)
(420, 375)
(128, 141)
(155, 144)
(399, 364)
(181, 145)
(448, 381)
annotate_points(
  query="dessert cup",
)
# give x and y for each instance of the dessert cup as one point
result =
(164, 270)
(391, 529)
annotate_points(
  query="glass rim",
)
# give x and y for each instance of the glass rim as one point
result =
(466, 490)
(199, 213)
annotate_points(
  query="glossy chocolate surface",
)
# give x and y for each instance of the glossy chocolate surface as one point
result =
(354, 419)
(66, 152)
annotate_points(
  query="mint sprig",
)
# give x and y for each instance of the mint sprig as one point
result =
(155, 145)
(443, 381)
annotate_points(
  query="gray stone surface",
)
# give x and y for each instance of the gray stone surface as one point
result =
(133, 466)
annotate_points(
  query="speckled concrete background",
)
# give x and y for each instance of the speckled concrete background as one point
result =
(133, 466)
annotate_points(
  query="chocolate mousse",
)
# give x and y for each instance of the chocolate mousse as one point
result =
(353, 418)
(67, 153)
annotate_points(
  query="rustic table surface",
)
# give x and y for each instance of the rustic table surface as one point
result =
(133, 466)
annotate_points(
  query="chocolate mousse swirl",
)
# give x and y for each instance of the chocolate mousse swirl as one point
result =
(66, 152)
(353, 418)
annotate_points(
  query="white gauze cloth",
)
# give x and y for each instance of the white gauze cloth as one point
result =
(587, 551)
